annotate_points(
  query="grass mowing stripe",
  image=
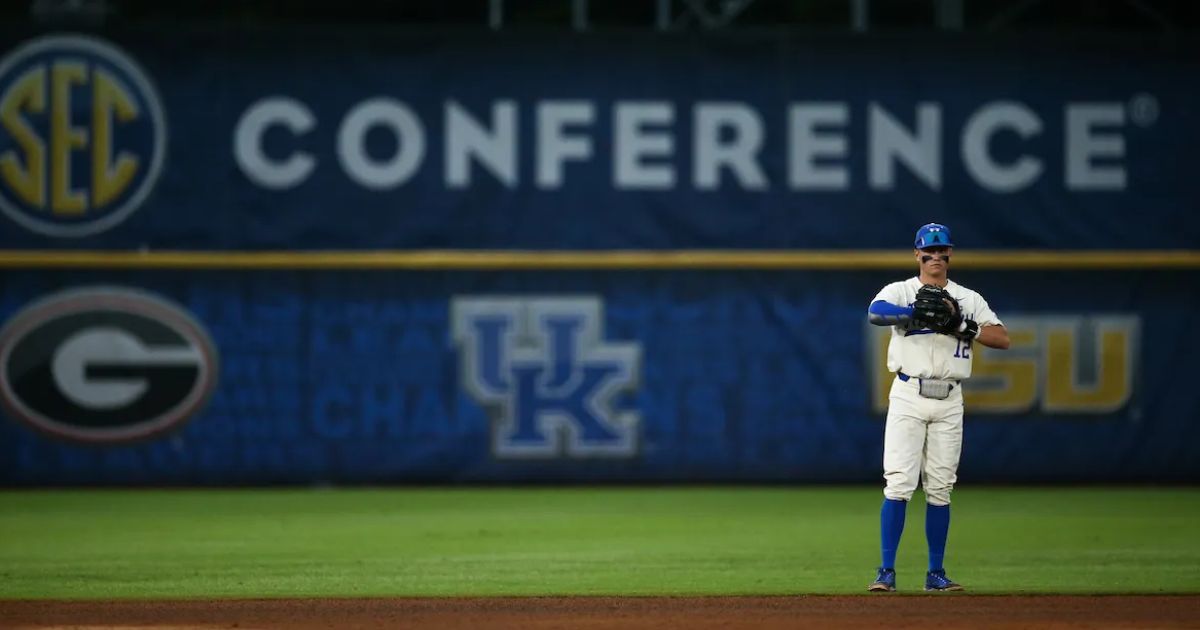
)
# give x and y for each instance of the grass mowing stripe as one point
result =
(622, 541)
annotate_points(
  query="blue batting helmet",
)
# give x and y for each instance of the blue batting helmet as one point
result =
(933, 235)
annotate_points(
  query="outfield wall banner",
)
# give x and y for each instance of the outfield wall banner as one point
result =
(368, 139)
(159, 377)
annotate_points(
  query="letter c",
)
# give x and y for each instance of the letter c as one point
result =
(248, 149)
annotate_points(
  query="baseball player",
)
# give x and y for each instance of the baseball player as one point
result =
(934, 323)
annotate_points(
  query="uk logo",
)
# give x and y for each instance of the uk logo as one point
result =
(549, 381)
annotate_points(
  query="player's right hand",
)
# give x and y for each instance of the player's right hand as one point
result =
(934, 308)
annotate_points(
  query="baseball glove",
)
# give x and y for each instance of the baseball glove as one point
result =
(937, 310)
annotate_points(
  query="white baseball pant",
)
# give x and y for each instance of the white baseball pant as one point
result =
(922, 441)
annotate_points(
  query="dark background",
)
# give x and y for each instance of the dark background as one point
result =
(1167, 17)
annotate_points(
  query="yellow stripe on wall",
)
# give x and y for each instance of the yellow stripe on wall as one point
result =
(511, 260)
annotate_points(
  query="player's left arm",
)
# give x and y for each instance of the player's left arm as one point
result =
(986, 328)
(994, 336)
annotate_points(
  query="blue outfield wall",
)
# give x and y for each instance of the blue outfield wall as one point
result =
(327, 139)
(229, 146)
(750, 376)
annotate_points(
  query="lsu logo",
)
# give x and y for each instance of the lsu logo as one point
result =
(545, 375)
(82, 136)
(1066, 364)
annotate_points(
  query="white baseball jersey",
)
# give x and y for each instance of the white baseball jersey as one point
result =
(922, 353)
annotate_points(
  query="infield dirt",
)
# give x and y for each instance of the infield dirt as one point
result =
(665, 613)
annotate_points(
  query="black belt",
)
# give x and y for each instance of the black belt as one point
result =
(904, 378)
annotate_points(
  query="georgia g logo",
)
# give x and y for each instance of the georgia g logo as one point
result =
(105, 365)
(82, 135)
(542, 370)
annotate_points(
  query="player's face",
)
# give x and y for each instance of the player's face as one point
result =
(934, 260)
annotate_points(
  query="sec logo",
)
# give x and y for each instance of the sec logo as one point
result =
(82, 135)
(105, 365)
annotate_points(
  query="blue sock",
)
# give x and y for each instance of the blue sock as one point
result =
(937, 526)
(891, 525)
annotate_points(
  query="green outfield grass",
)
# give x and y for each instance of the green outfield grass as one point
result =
(631, 541)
